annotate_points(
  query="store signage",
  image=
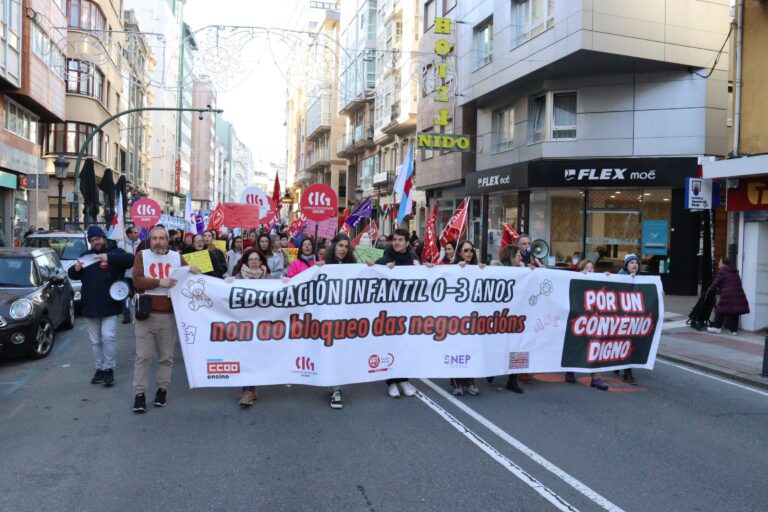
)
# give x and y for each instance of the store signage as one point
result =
(8, 180)
(751, 194)
(616, 172)
(698, 194)
(23, 182)
(442, 141)
(607, 174)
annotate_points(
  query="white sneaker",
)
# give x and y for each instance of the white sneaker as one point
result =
(407, 389)
(734, 333)
(394, 392)
(714, 330)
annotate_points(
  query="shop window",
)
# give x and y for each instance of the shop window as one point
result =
(502, 208)
(504, 129)
(564, 115)
(613, 227)
(656, 215)
(482, 43)
(566, 226)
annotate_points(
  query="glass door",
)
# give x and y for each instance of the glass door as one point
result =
(614, 227)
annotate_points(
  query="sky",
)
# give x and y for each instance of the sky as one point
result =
(254, 102)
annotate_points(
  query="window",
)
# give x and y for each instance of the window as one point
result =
(20, 121)
(448, 5)
(429, 14)
(532, 17)
(68, 137)
(504, 129)
(538, 118)
(47, 51)
(483, 43)
(85, 78)
(368, 168)
(85, 14)
(564, 115)
(13, 29)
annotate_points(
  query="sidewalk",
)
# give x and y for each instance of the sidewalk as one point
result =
(735, 357)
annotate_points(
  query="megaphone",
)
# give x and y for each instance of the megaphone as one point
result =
(539, 249)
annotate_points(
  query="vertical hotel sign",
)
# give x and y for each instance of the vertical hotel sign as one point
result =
(443, 141)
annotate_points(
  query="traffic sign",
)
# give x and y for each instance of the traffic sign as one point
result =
(319, 202)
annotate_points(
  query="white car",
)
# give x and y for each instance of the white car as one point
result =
(67, 246)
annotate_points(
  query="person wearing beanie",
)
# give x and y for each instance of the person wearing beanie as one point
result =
(631, 267)
(98, 268)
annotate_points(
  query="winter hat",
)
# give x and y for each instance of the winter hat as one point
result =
(630, 257)
(94, 231)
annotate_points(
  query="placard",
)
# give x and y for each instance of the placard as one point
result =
(200, 259)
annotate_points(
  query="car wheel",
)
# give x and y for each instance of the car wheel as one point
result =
(42, 343)
(69, 321)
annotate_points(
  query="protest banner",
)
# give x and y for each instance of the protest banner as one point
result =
(221, 245)
(340, 324)
(364, 254)
(200, 259)
(241, 215)
(324, 229)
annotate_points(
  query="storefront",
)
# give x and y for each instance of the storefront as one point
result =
(600, 209)
(14, 217)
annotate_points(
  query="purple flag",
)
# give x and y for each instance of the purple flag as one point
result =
(363, 211)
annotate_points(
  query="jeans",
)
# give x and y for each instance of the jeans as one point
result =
(103, 334)
(156, 334)
(730, 322)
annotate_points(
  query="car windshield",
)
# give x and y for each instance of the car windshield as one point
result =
(16, 272)
(66, 247)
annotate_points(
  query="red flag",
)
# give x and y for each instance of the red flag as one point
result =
(216, 220)
(456, 229)
(508, 235)
(345, 229)
(276, 193)
(431, 251)
(296, 226)
(359, 238)
(373, 231)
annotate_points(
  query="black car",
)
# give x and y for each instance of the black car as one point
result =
(36, 298)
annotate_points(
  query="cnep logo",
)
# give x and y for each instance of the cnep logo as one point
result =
(305, 363)
(457, 361)
(318, 198)
(378, 363)
(220, 369)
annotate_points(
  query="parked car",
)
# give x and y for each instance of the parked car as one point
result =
(36, 298)
(67, 246)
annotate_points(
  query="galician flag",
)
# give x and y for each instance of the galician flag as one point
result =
(404, 186)
(189, 217)
(117, 228)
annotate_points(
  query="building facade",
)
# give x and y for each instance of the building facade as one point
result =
(202, 175)
(744, 175)
(589, 117)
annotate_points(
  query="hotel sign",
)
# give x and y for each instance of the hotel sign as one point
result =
(442, 141)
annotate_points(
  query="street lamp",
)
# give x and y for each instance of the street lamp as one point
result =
(60, 165)
(358, 194)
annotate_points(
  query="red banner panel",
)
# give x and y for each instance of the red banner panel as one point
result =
(752, 194)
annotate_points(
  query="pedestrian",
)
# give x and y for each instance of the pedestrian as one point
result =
(251, 266)
(234, 255)
(305, 259)
(449, 251)
(382, 243)
(466, 255)
(414, 238)
(396, 255)
(587, 267)
(510, 256)
(321, 251)
(218, 259)
(157, 333)
(30, 231)
(524, 244)
(274, 261)
(251, 240)
(631, 267)
(733, 301)
(285, 242)
(339, 252)
(129, 245)
(98, 308)
(277, 248)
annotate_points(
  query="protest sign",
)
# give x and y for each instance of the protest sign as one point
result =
(241, 215)
(340, 324)
(292, 253)
(364, 254)
(325, 228)
(221, 245)
(201, 260)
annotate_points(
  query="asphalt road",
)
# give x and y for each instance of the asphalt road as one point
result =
(678, 441)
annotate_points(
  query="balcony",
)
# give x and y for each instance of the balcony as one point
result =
(396, 123)
(319, 116)
(363, 136)
(344, 146)
(318, 159)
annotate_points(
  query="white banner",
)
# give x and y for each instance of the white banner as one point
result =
(340, 324)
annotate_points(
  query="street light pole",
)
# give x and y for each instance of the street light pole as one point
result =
(60, 166)
(108, 120)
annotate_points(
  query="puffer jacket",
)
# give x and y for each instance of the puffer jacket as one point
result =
(732, 301)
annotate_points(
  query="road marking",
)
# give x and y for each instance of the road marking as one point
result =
(17, 409)
(674, 325)
(547, 493)
(591, 494)
(713, 377)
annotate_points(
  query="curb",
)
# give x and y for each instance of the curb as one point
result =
(739, 377)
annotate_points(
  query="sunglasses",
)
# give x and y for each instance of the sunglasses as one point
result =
(468, 249)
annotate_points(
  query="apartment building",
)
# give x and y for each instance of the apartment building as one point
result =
(589, 117)
(744, 175)
(203, 128)
(32, 72)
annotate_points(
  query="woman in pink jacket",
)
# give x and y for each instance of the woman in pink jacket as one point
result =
(305, 260)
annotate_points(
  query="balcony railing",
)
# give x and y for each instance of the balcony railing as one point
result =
(363, 132)
(318, 156)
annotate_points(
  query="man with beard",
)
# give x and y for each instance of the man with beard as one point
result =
(151, 274)
(98, 268)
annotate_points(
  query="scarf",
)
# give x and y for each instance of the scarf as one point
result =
(247, 273)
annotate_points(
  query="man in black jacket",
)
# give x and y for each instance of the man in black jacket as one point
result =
(98, 269)
(399, 253)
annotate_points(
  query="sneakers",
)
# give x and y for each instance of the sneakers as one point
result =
(570, 377)
(98, 377)
(734, 333)
(457, 390)
(629, 378)
(140, 403)
(249, 396)
(393, 391)
(599, 383)
(109, 377)
(336, 401)
(160, 398)
(407, 388)
(715, 330)
(473, 390)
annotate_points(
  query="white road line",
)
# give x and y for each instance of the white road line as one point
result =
(674, 325)
(591, 494)
(547, 493)
(713, 377)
